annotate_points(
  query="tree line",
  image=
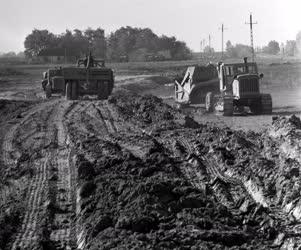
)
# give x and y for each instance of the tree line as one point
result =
(290, 48)
(126, 43)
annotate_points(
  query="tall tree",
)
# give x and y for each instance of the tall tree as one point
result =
(272, 48)
(141, 42)
(298, 41)
(38, 40)
(291, 48)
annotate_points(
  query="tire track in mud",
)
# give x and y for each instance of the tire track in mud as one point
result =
(63, 234)
(202, 173)
(38, 189)
(11, 152)
(7, 147)
(113, 119)
(97, 119)
(37, 185)
(92, 119)
(201, 170)
(28, 237)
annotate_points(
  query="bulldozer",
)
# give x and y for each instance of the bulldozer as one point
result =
(226, 88)
(89, 77)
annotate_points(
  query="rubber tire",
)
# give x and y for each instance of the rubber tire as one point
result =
(228, 106)
(68, 91)
(74, 90)
(44, 84)
(48, 91)
(266, 104)
(209, 103)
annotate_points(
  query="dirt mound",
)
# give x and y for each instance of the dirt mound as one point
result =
(150, 202)
(284, 127)
(146, 203)
(145, 110)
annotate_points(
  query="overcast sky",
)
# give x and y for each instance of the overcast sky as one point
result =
(188, 20)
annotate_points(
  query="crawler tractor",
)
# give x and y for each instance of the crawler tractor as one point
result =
(88, 77)
(233, 87)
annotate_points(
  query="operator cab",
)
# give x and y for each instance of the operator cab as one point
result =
(230, 73)
(232, 70)
(90, 62)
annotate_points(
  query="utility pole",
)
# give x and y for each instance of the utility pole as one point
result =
(251, 36)
(222, 29)
(201, 45)
(209, 42)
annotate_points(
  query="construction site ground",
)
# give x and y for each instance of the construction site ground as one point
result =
(133, 172)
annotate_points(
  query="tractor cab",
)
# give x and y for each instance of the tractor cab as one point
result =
(90, 62)
(239, 79)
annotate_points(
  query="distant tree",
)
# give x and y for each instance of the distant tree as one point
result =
(291, 48)
(128, 41)
(273, 48)
(243, 50)
(96, 41)
(21, 54)
(80, 42)
(298, 41)
(238, 51)
(208, 49)
(231, 50)
(99, 43)
(9, 54)
(38, 40)
(145, 38)
(119, 44)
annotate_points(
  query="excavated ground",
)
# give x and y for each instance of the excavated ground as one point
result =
(134, 173)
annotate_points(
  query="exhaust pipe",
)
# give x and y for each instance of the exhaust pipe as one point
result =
(246, 64)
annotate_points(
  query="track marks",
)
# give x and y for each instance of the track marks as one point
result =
(28, 237)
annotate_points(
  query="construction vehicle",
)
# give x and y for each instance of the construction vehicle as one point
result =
(88, 77)
(233, 87)
(195, 82)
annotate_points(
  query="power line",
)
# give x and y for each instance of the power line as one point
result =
(251, 36)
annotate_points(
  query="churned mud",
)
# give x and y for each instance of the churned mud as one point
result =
(133, 173)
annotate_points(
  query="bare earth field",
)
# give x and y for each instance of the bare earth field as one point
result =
(132, 172)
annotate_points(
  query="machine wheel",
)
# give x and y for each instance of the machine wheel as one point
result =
(48, 90)
(209, 102)
(44, 84)
(68, 91)
(266, 104)
(110, 87)
(99, 90)
(106, 90)
(74, 90)
(256, 108)
(228, 106)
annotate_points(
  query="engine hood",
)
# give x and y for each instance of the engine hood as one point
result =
(246, 76)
